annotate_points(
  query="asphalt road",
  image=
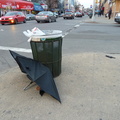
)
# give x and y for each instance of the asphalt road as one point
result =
(79, 36)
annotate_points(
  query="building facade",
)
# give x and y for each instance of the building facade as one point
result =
(9, 5)
(114, 4)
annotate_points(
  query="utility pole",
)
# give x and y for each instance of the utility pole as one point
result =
(0, 9)
(0, 12)
(93, 16)
(68, 4)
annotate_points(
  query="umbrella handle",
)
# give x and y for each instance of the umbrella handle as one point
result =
(25, 88)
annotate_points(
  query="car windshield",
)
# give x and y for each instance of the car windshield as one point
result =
(43, 13)
(118, 14)
(55, 13)
(10, 13)
(68, 13)
(29, 15)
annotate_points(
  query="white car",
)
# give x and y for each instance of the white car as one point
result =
(30, 17)
(45, 16)
(56, 14)
(117, 18)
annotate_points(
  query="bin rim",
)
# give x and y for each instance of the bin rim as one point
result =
(49, 34)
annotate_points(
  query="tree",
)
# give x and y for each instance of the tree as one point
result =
(52, 4)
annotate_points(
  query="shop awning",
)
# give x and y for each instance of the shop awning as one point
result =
(24, 5)
(44, 6)
(7, 4)
(16, 4)
(38, 7)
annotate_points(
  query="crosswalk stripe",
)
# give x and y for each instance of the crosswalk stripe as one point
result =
(15, 49)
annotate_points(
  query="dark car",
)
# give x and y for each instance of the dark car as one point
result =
(117, 18)
(68, 15)
(45, 16)
(78, 14)
(13, 17)
(30, 17)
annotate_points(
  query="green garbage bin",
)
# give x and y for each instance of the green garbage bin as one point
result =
(49, 52)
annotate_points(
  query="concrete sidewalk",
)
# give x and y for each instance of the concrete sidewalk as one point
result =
(100, 19)
(88, 87)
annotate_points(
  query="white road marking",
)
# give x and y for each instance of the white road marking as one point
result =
(82, 23)
(76, 26)
(16, 49)
(1, 30)
(69, 24)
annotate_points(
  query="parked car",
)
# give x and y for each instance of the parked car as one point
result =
(56, 14)
(61, 15)
(78, 14)
(45, 16)
(117, 18)
(30, 17)
(68, 15)
(13, 17)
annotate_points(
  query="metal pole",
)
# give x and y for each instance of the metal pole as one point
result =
(93, 16)
(0, 12)
(68, 5)
(114, 9)
(0, 9)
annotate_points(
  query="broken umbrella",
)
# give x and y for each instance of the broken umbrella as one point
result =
(37, 73)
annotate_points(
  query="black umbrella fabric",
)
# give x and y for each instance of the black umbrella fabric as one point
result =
(15, 55)
(37, 73)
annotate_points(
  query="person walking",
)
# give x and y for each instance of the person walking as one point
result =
(99, 13)
(102, 11)
(109, 13)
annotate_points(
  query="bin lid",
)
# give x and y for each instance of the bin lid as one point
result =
(48, 34)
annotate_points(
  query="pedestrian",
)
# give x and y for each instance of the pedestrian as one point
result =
(99, 13)
(102, 10)
(109, 13)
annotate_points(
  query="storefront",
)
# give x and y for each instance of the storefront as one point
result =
(24, 6)
(37, 8)
(6, 5)
(9, 5)
(45, 7)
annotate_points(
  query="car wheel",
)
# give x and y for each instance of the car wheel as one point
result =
(38, 21)
(55, 20)
(2, 23)
(15, 21)
(24, 21)
(64, 18)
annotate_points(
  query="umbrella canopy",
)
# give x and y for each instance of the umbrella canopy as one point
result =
(37, 73)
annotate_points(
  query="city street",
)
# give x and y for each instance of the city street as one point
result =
(12, 36)
(89, 84)
(79, 36)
